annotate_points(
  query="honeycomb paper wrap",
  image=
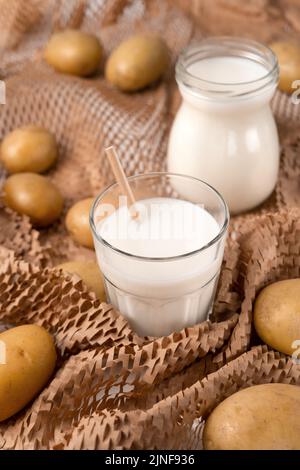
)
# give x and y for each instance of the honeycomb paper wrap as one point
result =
(112, 389)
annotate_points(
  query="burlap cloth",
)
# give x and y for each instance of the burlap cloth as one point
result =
(112, 389)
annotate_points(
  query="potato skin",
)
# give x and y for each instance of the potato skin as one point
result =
(78, 222)
(137, 62)
(30, 362)
(288, 54)
(277, 315)
(262, 417)
(90, 274)
(28, 149)
(35, 196)
(74, 52)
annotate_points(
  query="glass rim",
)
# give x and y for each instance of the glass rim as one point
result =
(212, 242)
(244, 46)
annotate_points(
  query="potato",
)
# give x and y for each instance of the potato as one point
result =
(277, 315)
(28, 149)
(288, 54)
(137, 62)
(90, 274)
(30, 358)
(78, 222)
(35, 196)
(261, 417)
(74, 52)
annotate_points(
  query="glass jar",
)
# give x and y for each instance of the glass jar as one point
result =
(160, 295)
(224, 132)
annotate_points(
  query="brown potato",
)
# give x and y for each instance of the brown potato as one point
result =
(74, 52)
(137, 62)
(28, 361)
(277, 315)
(33, 195)
(28, 149)
(288, 54)
(262, 417)
(78, 222)
(90, 274)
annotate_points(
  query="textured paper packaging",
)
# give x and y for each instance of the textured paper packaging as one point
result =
(112, 389)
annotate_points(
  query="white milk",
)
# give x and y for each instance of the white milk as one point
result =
(159, 296)
(237, 70)
(224, 132)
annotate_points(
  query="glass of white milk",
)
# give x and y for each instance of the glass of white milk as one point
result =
(161, 258)
(224, 131)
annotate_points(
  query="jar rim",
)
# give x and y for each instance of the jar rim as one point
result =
(227, 46)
